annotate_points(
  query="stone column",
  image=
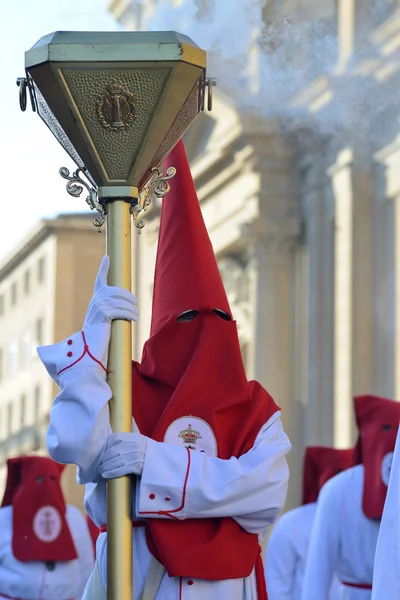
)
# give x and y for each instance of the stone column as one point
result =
(272, 348)
(362, 276)
(271, 240)
(319, 283)
(386, 283)
(346, 31)
(352, 193)
(341, 180)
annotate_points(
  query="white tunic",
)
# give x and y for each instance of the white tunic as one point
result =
(33, 580)
(251, 489)
(386, 583)
(286, 555)
(343, 540)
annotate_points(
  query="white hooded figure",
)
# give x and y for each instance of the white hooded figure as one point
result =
(287, 548)
(350, 506)
(386, 581)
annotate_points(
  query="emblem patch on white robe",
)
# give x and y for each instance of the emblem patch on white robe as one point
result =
(47, 524)
(386, 467)
(193, 433)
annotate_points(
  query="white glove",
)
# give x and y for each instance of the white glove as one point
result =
(124, 455)
(109, 303)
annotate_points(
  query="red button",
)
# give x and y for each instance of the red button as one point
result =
(69, 342)
(190, 582)
(152, 496)
(167, 499)
(69, 353)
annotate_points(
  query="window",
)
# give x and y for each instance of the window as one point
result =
(40, 271)
(39, 332)
(26, 349)
(10, 415)
(22, 414)
(27, 282)
(12, 358)
(13, 294)
(36, 405)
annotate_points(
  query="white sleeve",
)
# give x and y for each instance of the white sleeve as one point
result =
(83, 544)
(184, 484)
(323, 552)
(96, 502)
(79, 418)
(386, 580)
(281, 560)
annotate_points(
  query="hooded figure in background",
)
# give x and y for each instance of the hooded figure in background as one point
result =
(386, 582)
(287, 548)
(45, 546)
(207, 446)
(349, 509)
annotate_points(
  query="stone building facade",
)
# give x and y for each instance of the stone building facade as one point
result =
(304, 215)
(46, 283)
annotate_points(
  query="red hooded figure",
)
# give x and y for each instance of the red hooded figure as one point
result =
(40, 530)
(347, 523)
(321, 464)
(209, 453)
(194, 383)
(378, 421)
(288, 544)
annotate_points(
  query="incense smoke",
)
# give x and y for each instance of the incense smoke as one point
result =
(263, 60)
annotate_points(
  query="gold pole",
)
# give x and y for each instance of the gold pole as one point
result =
(119, 520)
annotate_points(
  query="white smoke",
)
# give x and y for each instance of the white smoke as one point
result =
(263, 61)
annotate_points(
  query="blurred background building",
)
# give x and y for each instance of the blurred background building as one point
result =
(299, 182)
(302, 210)
(45, 286)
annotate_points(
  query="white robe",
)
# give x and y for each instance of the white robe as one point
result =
(33, 580)
(386, 583)
(286, 555)
(343, 540)
(251, 489)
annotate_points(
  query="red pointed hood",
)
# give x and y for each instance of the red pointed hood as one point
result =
(191, 383)
(321, 464)
(186, 274)
(40, 530)
(378, 421)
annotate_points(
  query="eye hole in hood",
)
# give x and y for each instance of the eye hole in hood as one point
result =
(221, 313)
(187, 315)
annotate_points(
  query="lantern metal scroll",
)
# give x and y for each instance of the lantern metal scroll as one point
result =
(117, 102)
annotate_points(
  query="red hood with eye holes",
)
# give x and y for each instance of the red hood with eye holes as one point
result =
(195, 368)
(40, 529)
(377, 420)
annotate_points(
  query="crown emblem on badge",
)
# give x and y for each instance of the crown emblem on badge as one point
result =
(189, 435)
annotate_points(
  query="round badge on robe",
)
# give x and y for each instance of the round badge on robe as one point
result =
(47, 524)
(386, 467)
(193, 433)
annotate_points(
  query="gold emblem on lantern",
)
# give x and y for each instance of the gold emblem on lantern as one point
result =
(115, 108)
